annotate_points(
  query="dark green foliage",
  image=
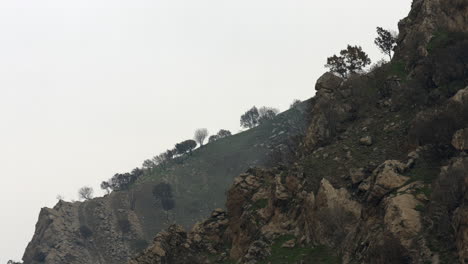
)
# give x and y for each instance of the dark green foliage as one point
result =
(255, 116)
(222, 133)
(386, 41)
(317, 255)
(250, 118)
(122, 181)
(351, 60)
(266, 113)
(167, 203)
(398, 68)
(337, 65)
(85, 231)
(438, 126)
(185, 147)
(390, 251)
(163, 192)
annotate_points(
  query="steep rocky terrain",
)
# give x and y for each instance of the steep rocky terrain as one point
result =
(113, 228)
(381, 176)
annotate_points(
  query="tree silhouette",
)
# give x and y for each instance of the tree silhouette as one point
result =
(386, 41)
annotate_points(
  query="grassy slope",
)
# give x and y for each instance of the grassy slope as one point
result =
(201, 180)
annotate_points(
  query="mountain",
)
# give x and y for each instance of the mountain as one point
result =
(113, 228)
(372, 170)
(381, 175)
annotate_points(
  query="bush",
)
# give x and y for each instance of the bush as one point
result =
(389, 252)
(438, 126)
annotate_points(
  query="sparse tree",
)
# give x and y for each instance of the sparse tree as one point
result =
(185, 146)
(212, 138)
(59, 197)
(222, 133)
(105, 186)
(351, 60)
(149, 164)
(337, 65)
(85, 193)
(250, 118)
(200, 135)
(386, 41)
(295, 103)
(266, 113)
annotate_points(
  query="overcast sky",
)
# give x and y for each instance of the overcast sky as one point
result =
(89, 88)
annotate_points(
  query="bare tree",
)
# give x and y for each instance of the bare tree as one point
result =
(85, 193)
(200, 135)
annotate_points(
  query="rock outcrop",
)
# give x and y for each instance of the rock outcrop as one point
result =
(378, 181)
(380, 176)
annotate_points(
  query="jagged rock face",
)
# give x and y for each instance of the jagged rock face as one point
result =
(329, 109)
(425, 19)
(392, 208)
(103, 230)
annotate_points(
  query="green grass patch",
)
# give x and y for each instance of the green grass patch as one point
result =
(427, 191)
(424, 174)
(317, 255)
(420, 208)
(398, 68)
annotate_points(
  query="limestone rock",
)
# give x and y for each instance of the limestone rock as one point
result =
(402, 218)
(387, 178)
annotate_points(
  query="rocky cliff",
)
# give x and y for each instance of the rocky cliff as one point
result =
(113, 228)
(381, 176)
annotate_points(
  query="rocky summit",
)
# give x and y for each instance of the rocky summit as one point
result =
(379, 175)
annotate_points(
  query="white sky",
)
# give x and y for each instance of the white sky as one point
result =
(89, 88)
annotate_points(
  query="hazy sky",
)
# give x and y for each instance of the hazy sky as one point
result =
(89, 88)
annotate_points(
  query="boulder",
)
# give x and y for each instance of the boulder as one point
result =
(401, 217)
(328, 83)
(460, 139)
(387, 178)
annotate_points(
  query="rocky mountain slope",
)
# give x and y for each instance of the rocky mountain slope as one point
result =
(382, 173)
(113, 228)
